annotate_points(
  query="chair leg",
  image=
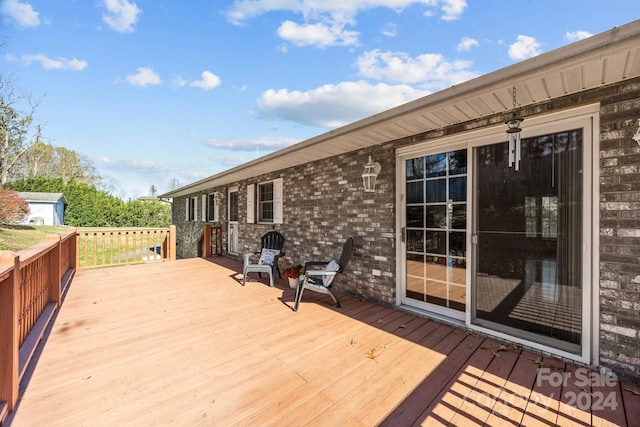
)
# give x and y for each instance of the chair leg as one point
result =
(245, 263)
(335, 298)
(298, 296)
(271, 279)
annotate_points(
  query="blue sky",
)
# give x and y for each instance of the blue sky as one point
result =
(154, 91)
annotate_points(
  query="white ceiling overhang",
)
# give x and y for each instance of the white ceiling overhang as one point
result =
(597, 61)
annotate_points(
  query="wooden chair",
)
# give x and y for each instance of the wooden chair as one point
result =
(271, 245)
(320, 275)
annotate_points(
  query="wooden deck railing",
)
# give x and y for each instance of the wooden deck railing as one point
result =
(117, 246)
(33, 281)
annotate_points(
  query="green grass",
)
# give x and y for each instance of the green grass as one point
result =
(19, 237)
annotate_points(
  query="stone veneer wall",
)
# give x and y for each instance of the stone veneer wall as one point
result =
(324, 203)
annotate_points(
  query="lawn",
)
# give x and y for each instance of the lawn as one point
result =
(23, 236)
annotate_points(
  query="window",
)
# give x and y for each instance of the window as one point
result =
(213, 209)
(192, 203)
(233, 206)
(265, 200)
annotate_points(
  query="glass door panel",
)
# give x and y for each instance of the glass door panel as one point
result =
(528, 225)
(436, 222)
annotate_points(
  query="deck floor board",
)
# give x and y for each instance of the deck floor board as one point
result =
(183, 343)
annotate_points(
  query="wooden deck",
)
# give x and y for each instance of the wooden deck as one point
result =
(182, 343)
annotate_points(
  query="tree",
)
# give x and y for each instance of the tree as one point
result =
(46, 160)
(147, 213)
(13, 208)
(90, 207)
(174, 183)
(16, 133)
(153, 191)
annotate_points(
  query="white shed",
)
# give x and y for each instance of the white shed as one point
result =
(46, 208)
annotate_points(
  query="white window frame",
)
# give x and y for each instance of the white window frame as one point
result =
(254, 204)
(191, 210)
(207, 200)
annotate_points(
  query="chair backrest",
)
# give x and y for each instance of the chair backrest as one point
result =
(345, 256)
(272, 240)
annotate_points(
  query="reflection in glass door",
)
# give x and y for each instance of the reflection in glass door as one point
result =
(528, 252)
(436, 222)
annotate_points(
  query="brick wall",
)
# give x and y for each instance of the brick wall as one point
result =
(324, 204)
(620, 231)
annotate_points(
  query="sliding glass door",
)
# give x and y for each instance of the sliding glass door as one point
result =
(528, 235)
(436, 232)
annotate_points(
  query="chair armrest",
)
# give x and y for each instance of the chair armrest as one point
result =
(247, 257)
(310, 264)
(320, 273)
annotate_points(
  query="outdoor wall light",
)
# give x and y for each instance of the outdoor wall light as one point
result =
(370, 175)
(513, 125)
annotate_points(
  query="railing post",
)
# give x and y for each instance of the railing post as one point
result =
(73, 251)
(77, 239)
(55, 273)
(207, 240)
(172, 243)
(9, 342)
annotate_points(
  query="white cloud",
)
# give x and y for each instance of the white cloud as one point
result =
(243, 10)
(121, 15)
(145, 77)
(453, 9)
(334, 105)
(524, 47)
(573, 36)
(207, 82)
(128, 176)
(54, 64)
(389, 30)
(467, 43)
(20, 13)
(325, 21)
(320, 34)
(429, 71)
(253, 144)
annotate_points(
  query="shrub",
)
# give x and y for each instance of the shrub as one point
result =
(13, 208)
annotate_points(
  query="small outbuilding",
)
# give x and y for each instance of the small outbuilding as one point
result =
(46, 208)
